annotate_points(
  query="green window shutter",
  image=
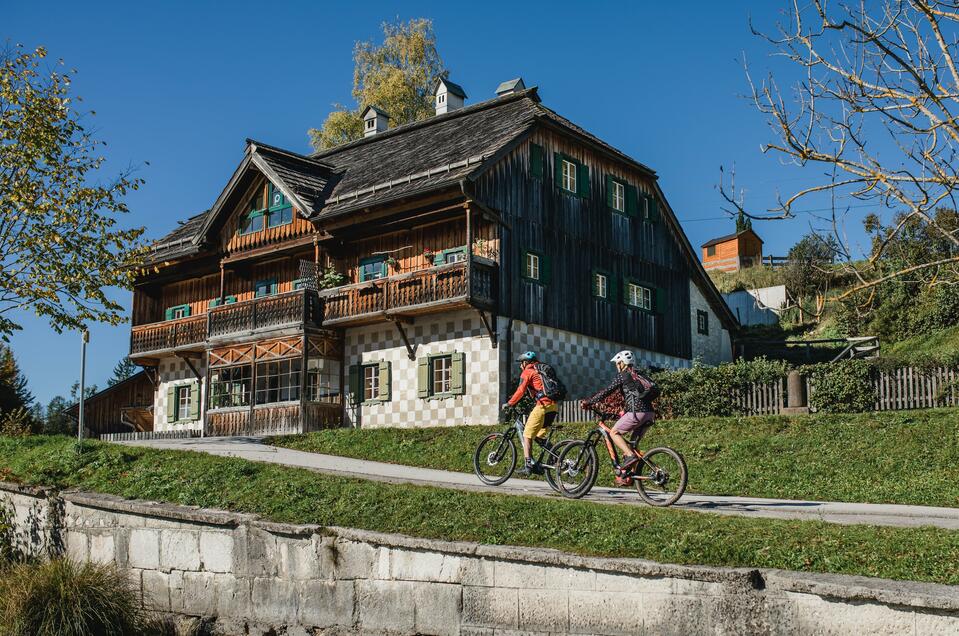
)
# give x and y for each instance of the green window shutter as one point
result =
(423, 377)
(171, 404)
(169, 313)
(458, 375)
(545, 269)
(230, 300)
(609, 191)
(439, 258)
(536, 160)
(625, 290)
(653, 209)
(557, 170)
(384, 378)
(582, 180)
(594, 285)
(215, 302)
(612, 286)
(355, 387)
(195, 401)
(631, 200)
(659, 299)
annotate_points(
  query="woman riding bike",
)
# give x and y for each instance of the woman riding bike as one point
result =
(630, 395)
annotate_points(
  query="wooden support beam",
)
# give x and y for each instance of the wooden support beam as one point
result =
(189, 363)
(410, 348)
(488, 323)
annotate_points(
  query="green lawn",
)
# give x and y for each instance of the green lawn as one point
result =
(939, 344)
(909, 457)
(295, 495)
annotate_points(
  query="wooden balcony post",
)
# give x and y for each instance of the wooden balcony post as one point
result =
(469, 255)
(222, 283)
(256, 302)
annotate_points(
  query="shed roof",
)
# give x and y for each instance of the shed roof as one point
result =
(730, 237)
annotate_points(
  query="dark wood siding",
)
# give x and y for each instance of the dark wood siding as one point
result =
(579, 235)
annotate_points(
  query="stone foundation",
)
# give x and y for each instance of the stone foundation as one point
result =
(246, 575)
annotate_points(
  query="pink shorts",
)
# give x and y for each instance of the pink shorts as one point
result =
(631, 422)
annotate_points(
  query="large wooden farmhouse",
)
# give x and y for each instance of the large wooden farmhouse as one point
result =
(390, 281)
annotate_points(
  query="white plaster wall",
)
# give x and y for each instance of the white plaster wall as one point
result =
(714, 348)
(582, 362)
(173, 372)
(459, 331)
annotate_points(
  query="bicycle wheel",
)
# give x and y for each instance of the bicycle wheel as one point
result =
(578, 467)
(494, 459)
(549, 472)
(661, 479)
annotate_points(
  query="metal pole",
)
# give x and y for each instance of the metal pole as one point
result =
(85, 338)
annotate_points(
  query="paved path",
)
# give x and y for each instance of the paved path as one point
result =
(252, 448)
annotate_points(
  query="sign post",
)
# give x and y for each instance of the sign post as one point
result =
(85, 338)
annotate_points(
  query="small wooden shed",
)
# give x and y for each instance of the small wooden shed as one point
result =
(733, 252)
(125, 407)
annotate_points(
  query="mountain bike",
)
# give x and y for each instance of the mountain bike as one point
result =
(494, 459)
(660, 476)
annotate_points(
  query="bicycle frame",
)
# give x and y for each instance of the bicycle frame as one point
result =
(604, 432)
(516, 430)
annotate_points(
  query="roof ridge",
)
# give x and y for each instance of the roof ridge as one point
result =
(530, 92)
(289, 153)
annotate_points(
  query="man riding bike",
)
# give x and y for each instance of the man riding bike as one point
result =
(630, 393)
(542, 415)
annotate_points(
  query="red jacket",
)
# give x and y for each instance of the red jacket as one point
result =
(530, 381)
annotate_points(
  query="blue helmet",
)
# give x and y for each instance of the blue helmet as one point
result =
(527, 356)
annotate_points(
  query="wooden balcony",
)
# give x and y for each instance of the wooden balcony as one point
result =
(438, 288)
(292, 310)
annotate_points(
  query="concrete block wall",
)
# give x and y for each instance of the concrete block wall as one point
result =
(250, 576)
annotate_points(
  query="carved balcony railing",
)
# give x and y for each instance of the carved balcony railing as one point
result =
(168, 335)
(411, 293)
(293, 309)
(296, 308)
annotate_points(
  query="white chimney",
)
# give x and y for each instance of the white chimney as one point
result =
(511, 86)
(448, 96)
(374, 121)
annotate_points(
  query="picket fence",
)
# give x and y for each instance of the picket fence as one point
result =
(896, 390)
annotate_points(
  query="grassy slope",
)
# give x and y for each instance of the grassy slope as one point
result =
(908, 457)
(296, 495)
(937, 344)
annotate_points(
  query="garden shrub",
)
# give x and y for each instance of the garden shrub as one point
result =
(846, 386)
(64, 598)
(703, 391)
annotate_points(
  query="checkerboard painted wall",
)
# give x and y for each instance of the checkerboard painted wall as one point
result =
(174, 372)
(582, 362)
(459, 331)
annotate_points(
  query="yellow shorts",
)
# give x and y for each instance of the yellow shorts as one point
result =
(539, 418)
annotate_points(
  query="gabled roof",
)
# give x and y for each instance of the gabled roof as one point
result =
(378, 111)
(515, 84)
(451, 87)
(730, 237)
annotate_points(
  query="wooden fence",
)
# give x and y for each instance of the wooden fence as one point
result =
(895, 389)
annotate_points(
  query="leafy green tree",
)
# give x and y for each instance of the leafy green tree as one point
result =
(809, 272)
(124, 369)
(397, 76)
(55, 420)
(60, 245)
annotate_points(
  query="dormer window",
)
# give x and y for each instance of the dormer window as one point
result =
(442, 98)
(370, 124)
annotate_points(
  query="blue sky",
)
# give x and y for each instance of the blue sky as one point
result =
(182, 85)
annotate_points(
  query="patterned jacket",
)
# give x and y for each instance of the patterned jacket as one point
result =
(627, 393)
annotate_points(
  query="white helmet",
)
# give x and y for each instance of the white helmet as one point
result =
(626, 357)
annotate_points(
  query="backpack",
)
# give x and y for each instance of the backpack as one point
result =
(553, 387)
(651, 388)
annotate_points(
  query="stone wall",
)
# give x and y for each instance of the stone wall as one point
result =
(714, 347)
(250, 576)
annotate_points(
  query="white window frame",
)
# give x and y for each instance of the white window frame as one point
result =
(619, 196)
(639, 296)
(458, 256)
(602, 285)
(180, 312)
(532, 266)
(371, 382)
(370, 123)
(183, 402)
(569, 175)
(441, 375)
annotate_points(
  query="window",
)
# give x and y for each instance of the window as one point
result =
(323, 380)
(371, 382)
(231, 386)
(178, 311)
(600, 285)
(372, 268)
(183, 395)
(441, 372)
(278, 381)
(227, 300)
(454, 256)
(280, 212)
(265, 288)
(442, 98)
(711, 250)
(618, 196)
(370, 123)
(532, 266)
(650, 208)
(639, 296)
(569, 175)
(253, 221)
(702, 322)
